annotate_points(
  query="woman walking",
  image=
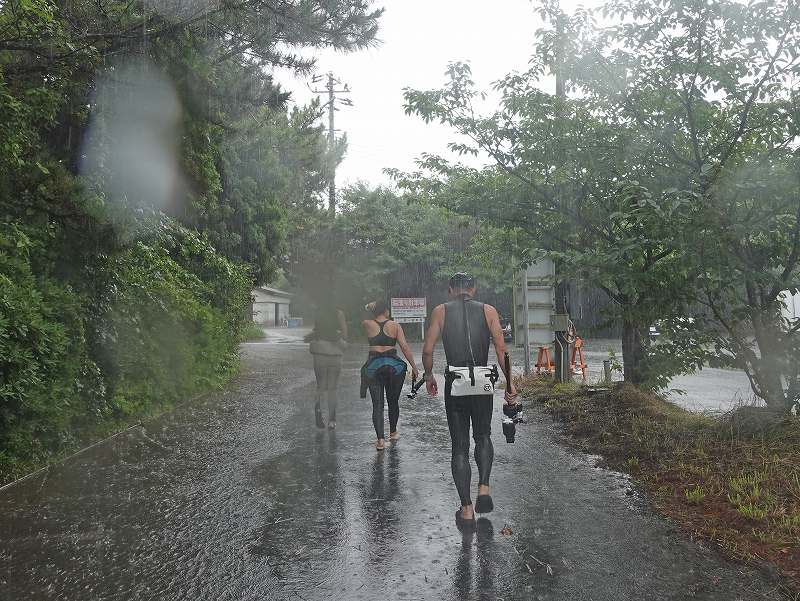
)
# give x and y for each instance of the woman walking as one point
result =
(327, 346)
(385, 371)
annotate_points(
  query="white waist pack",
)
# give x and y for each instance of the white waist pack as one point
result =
(472, 381)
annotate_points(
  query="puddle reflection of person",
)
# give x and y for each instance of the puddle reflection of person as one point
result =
(480, 552)
(381, 497)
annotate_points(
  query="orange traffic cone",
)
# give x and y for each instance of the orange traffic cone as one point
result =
(577, 353)
(543, 360)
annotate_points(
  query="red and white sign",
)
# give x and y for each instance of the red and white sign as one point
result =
(409, 310)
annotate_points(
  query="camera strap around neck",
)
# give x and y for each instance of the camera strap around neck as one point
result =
(471, 363)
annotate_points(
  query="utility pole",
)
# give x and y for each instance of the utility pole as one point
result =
(331, 143)
(331, 91)
(561, 323)
(526, 333)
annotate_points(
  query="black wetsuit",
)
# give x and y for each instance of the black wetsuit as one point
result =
(462, 410)
(386, 382)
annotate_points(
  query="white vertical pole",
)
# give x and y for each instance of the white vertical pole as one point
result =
(526, 333)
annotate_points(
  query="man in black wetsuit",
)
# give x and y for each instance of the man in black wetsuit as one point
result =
(447, 321)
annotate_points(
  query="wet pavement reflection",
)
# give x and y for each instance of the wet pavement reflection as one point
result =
(240, 496)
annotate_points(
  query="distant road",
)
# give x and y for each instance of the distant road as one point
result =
(709, 389)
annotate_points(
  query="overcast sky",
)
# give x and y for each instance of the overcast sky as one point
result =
(417, 40)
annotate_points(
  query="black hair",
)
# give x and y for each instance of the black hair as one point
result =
(462, 281)
(380, 308)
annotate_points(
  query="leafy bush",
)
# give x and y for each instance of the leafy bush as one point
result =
(165, 325)
(169, 319)
(47, 378)
(253, 331)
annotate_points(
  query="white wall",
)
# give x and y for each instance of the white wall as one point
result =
(264, 313)
(791, 309)
(264, 304)
(283, 312)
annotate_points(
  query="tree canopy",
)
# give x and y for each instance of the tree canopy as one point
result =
(149, 170)
(660, 171)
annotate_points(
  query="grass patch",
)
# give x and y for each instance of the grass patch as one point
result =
(253, 331)
(733, 480)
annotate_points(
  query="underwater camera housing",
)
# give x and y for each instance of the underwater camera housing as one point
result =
(512, 415)
(415, 386)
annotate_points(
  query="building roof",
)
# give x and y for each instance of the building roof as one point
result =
(275, 292)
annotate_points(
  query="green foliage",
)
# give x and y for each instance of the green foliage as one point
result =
(389, 231)
(612, 357)
(383, 244)
(128, 287)
(561, 185)
(165, 333)
(721, 107)
(750, 495)
(166, 325)
(369, 240)
(662, 171)
(48, 380)
(695, 495)
(253, 331)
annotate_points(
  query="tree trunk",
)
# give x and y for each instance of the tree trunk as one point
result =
(633, 352)
(769, 368)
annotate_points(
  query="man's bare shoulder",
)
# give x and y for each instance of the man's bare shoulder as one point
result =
(437, 316)
(489, 310)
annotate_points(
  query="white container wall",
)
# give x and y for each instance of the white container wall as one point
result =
(539, 279)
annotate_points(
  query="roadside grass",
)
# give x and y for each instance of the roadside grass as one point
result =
(733, 480)
(253, 331)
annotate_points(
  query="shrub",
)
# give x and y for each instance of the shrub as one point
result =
(162, 321)
(170, 320)
(47, 378)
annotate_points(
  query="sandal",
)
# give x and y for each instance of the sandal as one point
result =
(462, 521)
(484, 504)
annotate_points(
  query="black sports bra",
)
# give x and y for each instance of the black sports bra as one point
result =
(381, 338)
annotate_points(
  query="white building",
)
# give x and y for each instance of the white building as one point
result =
(270, 306)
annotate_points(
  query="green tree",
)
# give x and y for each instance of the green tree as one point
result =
(564, 183)
(123, 122)
(626, 180)
(379, 243)
(713, 86)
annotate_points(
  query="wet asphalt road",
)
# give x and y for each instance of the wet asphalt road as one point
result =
(238, 496)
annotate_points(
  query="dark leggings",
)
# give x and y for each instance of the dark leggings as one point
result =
(460, 410)
(386, 384)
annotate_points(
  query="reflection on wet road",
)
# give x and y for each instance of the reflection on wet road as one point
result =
(239, 496)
